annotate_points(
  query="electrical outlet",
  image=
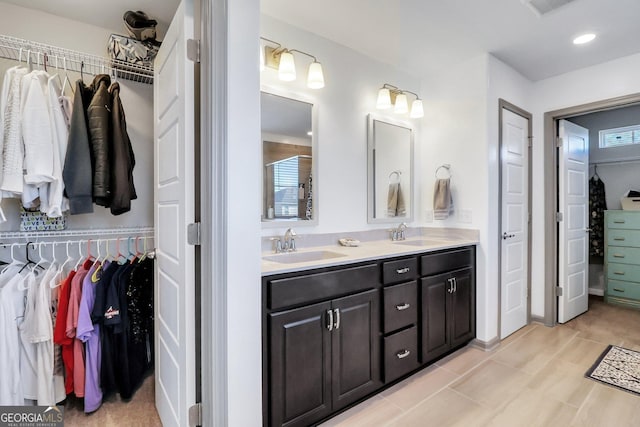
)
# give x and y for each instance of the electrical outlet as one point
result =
(429, 216)
(466, 216)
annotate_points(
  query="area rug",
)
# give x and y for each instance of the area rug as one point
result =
(619, 367)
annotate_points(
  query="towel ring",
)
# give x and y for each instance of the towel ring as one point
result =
(397, 174)
(447, 167)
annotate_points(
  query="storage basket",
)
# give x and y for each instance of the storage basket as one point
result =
(34, 220)
(132, 51)
(630, 203)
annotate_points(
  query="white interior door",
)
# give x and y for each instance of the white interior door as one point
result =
(573, 261)
(514, 250)
(174, 210)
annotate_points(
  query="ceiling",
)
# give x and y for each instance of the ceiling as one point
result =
(421, 35)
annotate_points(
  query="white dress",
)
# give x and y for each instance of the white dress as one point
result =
(11, 392)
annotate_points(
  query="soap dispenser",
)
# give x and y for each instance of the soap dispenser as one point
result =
(270, 212)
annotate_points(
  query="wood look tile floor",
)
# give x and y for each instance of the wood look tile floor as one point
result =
(534, 378)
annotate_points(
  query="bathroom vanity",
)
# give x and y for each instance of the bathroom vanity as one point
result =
(337, 334)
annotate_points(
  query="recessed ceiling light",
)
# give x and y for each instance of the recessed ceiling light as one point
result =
(585, 38)
(310, 133)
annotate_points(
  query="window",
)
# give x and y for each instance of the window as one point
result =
(620, 136)
(285, 183)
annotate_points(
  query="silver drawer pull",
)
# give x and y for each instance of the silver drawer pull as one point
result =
(619, 273)
(619, 221)
(403, 270)
(620, 239)
(403, 306)
(618, 290)
(618, 256)
(403, 354)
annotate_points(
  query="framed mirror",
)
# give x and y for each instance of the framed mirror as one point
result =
(288, 160)
(390, 170)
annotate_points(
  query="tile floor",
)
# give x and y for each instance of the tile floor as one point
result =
(534, 378)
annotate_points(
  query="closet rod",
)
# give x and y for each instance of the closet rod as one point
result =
(20, 49)
(124, 231)
(616, 162)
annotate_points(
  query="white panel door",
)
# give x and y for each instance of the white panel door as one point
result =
(573, 237)
(174, 210)
(514, 236)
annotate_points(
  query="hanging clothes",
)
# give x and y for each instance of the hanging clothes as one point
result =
(597, 206)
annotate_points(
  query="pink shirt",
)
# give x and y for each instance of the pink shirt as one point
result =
(72, 323)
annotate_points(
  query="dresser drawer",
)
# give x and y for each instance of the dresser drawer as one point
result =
(399, 271)
(623, 289)
(623, 219)
(623, 238)
(623, 255)
(400, 354)
(626, 272)
(400, 306)
(446, 261)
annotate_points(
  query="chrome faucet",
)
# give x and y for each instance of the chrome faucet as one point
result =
(398, 233)
(289, 240)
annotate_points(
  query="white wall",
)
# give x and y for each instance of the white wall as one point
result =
(603, 81)
(352, 82)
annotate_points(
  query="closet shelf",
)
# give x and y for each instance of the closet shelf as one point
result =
(65, 59)
(123, 231)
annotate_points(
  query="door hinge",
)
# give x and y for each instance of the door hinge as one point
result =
(559, 142)
(193, 50)
(195, 415)
(558, 291)
(530, 142)
(193, 234)
(559, 217)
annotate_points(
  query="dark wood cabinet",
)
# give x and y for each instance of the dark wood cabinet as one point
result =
(448, 312)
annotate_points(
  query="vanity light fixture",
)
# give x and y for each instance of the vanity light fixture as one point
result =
(281, 58)
(390, 95)
(585, 38)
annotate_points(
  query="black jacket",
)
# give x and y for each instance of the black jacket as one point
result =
(99, 119)
(77, 172)
(122, 158)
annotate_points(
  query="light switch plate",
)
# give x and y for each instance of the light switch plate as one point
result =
(466, 216)
(429, 216)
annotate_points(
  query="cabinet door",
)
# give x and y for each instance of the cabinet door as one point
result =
(300, 365)
(463, 308)
(435, 290)
(356, 347)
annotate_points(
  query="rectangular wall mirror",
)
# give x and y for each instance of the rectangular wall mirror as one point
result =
(288, 186)
(390, 170)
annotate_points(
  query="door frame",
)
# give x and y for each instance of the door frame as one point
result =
(550, 173)
(504, 104)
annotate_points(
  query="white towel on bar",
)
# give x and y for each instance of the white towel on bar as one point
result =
(442, 199)
(395, 201)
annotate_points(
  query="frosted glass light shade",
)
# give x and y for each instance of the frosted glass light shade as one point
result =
(401, 104)
(287, 68)
(262, 66)
(384, 99)
(315, 77)
(417, 110)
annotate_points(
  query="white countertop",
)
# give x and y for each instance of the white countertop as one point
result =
(369, 250)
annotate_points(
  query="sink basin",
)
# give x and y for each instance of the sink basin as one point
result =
(293, 257)
(421, 242)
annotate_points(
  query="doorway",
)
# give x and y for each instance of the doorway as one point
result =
(551, 199)
(515, 224)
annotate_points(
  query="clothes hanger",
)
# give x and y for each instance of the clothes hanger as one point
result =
(595, 173)
(98, 263)
(14, 260)
(29, 260)
(80, 257)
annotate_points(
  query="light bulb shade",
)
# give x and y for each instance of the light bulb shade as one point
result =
(287, 68)
(262, 66)
(401, 104)
(315, 77)
(384, 99)
(416, 109)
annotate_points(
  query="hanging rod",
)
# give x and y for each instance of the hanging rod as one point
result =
(20, 50)
(124, 231)
(616, 162)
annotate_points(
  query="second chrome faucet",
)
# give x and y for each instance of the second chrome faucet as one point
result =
(289, 243)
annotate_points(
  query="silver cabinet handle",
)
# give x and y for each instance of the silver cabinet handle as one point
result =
(620, 239)
(588, 230)
(455, 284)
(618, 256)
(450, 288)
(618, 289)
(619, 221)
(619, 273)
(403, 354)
(330, 317)
(403, 270)
(403, 306)
(337, 324)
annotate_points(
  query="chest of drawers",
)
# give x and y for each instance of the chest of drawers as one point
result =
(622, 257)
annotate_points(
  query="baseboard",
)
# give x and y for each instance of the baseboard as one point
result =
(490, 345)
(596, 291)
(537, 319)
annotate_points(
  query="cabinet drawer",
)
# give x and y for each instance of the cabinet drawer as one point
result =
(400, 306)
(622, 255)
(623, 238)
(623, 289)
(446, 261)
(310, 288)
(399, 271)
(625, 272)
(400, 353)
(623, 219)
